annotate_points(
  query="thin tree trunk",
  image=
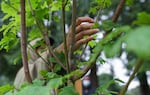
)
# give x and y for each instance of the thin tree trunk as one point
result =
(93, 77)
(23, 42)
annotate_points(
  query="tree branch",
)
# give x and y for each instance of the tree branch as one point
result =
(118, 10)
(23, 42)
(136, 69)
(71, 50)
(64, 33)
(116, 14)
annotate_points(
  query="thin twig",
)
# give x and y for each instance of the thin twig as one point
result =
(136, 69)
(71, 50)
(23, 42)
(80, 57)
(38, 54)
(64, 33)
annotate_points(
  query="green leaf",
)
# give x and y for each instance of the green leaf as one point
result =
(41, 13)
(129, 2)
(9, 41)
(69, 90)
(57, 67)
(96, 5)
(143, 18)
(51, 75)
(55, 83)
(5, 88)
(103, 3)
(34, 90)
(48, 75)
(121, 81)
(113, 49)
(17, 59)
(103, 89)
(38, 82)
(137, 42)
(107, 25)
(92, 43)
(34, 33)
(56, 6)
(52, 59)
(61, 56)
(93, 10)
(102, 61)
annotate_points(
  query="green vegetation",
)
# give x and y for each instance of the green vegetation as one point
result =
(129, 25)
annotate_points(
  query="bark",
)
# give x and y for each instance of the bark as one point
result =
(93, 77)
(23, 42)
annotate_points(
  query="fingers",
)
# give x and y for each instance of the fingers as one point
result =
(82, 27)
(84, 19)
(83, 41)
(88, 32)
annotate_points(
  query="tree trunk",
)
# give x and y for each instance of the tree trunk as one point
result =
(93, 77)
(144, 87)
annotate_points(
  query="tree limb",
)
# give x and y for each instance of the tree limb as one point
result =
(136, 69)
(71, 47)
(118, 10)
(64, 33)
(23, 42)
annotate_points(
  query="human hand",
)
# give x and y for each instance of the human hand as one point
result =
(83, 28)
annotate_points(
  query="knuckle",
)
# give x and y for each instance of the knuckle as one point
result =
(82, 33)
(81, 26)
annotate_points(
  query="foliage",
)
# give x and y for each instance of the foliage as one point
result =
(142, 37)
(136, 39)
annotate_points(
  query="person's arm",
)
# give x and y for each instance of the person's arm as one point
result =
(83, 28)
